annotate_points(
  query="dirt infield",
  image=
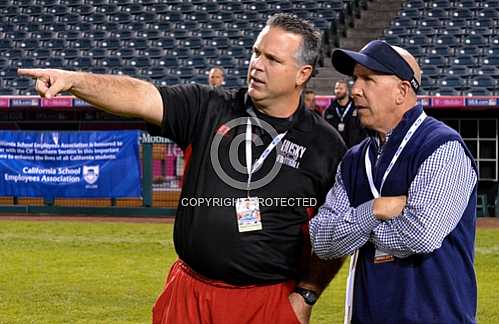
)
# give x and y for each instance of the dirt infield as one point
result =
(483, 222)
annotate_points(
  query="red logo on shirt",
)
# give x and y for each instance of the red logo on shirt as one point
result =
(223, 129)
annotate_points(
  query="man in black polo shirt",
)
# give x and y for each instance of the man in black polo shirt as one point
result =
(239, 228)
(342, 115)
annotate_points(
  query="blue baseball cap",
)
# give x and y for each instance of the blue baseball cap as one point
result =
(378, 56)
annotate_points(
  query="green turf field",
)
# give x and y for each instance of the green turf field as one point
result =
(77, 272)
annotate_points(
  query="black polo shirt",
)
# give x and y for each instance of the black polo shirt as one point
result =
(206, 234)
(353, 132)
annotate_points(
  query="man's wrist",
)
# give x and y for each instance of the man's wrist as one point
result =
(309, 296)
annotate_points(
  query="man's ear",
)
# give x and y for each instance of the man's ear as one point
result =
(403, 92)
(303, 75)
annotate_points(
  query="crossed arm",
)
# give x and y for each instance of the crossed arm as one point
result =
(436, 200)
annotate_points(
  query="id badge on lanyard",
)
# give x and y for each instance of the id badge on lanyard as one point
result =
(248, 209)
(341, 124)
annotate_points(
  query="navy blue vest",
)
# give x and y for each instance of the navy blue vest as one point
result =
(439, 287)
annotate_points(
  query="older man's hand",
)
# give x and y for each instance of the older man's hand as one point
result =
(386, 208)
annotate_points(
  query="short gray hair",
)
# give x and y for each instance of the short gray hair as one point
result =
(309, 50)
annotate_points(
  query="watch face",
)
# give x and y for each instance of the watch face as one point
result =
(309, 296)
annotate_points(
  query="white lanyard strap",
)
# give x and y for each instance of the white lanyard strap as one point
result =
(401, 147)
(249, 152)
(345, 113)
(349, 291)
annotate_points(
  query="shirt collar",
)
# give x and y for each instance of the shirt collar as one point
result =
(302, 118)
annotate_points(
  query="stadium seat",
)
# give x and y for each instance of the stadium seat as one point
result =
(196, 62)
(466, 4)
(40, 53)
(70, 35)
(97, 53)
(455, 23)
(491, 60)
(6, 91)
(32, 10)
(477, 92)
(491, 13)
(138, 26)
(151, 34)
(43, 35)
(166, 62)
(466, 60)
(440, 50)
(415, 50)
(455, 82)
(52, 62)
(180, 53)
(152, 52)
(85, 44)
(161, 8)
(483, 82)
(435, 60)
(126, 70)
(468, 50)
(68, 53)
(443, 4)
(139, 62)
(98, 70)
(404, 21)
(82, 63)
(430, 71)
(156, 72)
(8, 73)
(124, 53)
(184, 72)
(26, 62)
(209, 52)
(462, 71)
(110, 62)
(419, 40)
(488, 70)
(461, 14)
(26, 44)
(476, 40)
(82, 27)
(446, 40)
(446, 92)
(166, 43)
(483, 22)
(30, 28)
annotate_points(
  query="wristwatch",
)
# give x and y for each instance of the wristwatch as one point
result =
(309, 295)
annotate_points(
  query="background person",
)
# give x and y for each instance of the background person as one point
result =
(342, 115)
(216, 76)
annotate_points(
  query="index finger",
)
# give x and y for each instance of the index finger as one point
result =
(34, 73)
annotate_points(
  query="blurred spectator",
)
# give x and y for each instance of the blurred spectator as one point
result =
(309, 100)
(342, 115)
(216, 76)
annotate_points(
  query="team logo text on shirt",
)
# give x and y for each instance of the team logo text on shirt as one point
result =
(290, 154)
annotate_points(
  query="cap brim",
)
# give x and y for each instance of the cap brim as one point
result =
(344, 62)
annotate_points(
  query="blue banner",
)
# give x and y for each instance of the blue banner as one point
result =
(70, 164)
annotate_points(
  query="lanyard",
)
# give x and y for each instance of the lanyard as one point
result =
(406, 139)
(345, 113)
(249, 152)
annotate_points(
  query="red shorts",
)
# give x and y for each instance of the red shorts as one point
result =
(188, 298)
